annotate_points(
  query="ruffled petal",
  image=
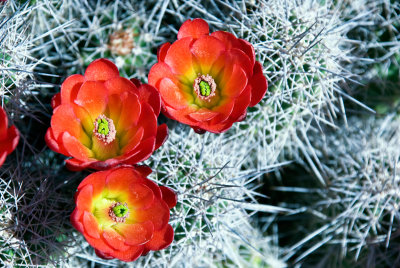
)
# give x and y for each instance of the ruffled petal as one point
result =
(193, 28)
(101, 70)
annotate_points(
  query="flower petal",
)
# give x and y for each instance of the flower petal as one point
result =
(193, 28)
(162, 51)
(158, 213)
(162, 135)
(100, 70)
(84, 198)
(93, 97)
(203, 114)
(55, 100)
(169, 196)
(207, 49)
(136, 233)
(70, 88)
(158, 72)
(91, 225)
(258, 85)
(75, 148)
(180, 59)
(172, 95)
(236, 82)
(130, 112)
(161, 238)
(114, 239)
(119, 85)
(150, 95)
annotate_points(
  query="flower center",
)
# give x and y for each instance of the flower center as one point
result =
(104, 129)
(204, 86)
(118, 212)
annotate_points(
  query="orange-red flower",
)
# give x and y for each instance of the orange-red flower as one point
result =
(122, 214)
(207, 80)
(9, 137)
(102, 120)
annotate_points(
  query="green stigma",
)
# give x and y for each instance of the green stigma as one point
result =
(102, 126)
(205, 89)
(120, 210)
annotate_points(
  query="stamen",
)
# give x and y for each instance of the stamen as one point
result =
(204, 86)
(104, 129)
(118, 212)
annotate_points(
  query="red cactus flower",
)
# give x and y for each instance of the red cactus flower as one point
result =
(122, 214)
(102, 120)
(207, 80)
(9, 137)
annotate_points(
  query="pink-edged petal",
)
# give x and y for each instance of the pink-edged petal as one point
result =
(91, 225)
(136, 233)
(151, 96)
(158, 72)
(169, 196)
(161, 238)
(162, 51)
(180, 59)
(193, 28)
(203, 114)
(172, 95)
(70, 88)
(75, 148)
(101, 70)
(162, 135)
(207, 49)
